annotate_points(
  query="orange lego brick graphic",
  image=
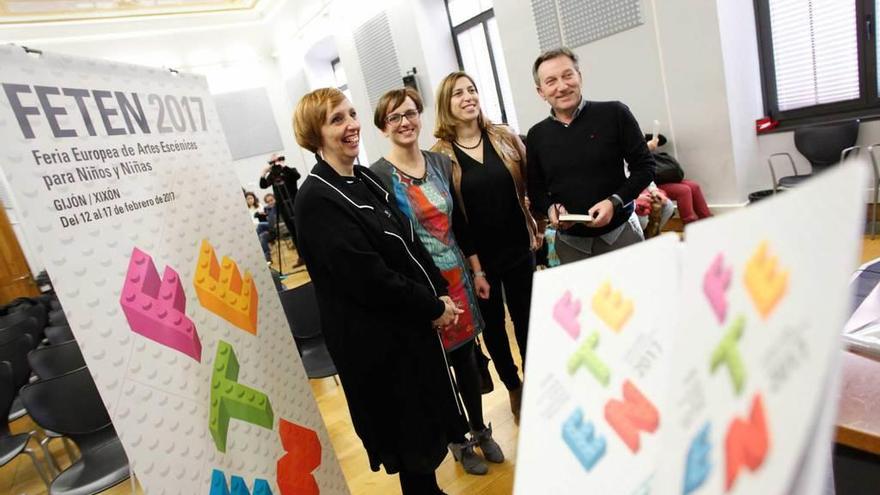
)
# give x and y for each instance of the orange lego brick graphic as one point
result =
(223, 291)
(302, 457)
(765, 281)
(611, 307)
(634, 414)
(746, 443)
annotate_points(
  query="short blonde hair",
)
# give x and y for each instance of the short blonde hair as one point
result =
(393, 99)
(444, 128)
(310, 114)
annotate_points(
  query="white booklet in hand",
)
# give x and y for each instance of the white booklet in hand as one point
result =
(571, 217)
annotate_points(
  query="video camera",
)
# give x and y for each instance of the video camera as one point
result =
(276, 171)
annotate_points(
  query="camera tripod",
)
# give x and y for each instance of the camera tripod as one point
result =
(283, 203)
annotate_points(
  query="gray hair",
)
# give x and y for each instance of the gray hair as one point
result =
(551, 54)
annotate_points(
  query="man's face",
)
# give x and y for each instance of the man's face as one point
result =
(559, 83)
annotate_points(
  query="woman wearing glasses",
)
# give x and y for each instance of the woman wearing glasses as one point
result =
(419, 183)
(488, 179)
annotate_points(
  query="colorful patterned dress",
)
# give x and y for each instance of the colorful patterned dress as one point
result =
(428, 203)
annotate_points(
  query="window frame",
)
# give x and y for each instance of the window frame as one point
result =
(867, 106)
(483, 19)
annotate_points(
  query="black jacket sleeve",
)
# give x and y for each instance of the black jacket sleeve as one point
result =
(346, 253)
(291, 176)
(537, 186)
(637, 156)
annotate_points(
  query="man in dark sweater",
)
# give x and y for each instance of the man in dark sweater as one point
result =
(576, 163)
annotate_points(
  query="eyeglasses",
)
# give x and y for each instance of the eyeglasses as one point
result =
(397, 118)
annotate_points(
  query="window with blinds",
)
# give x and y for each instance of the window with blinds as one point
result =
(818, 58)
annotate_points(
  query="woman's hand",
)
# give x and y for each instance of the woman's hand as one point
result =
(481, 286)
(537, 241)
(450, 314)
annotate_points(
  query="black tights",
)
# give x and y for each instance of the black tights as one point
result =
(464, 361)
(419, 483)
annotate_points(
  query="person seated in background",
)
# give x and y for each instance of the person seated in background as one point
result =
(669, 177)
(419, 182)
(271, 233)
(654, 209)
(258, 216)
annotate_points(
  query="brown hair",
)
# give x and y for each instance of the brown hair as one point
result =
(444, 127)
(256, 199)
(393, 99)
(550, 55)
(310, 114)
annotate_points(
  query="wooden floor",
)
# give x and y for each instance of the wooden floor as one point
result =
(18, 477)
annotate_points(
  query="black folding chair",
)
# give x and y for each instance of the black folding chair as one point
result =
(70, 405)
(301, 307)
(59, 334)
(13, 445)
(35, 311)
(49, 362)
(54, 360)
(14, 349)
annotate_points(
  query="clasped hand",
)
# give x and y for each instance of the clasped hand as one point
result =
(450, 313)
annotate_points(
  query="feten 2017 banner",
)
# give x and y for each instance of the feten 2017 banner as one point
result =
(123, 182)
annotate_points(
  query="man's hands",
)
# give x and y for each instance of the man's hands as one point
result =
(450, 314)
(601, 213)
(553, 214)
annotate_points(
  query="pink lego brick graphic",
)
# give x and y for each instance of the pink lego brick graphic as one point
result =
(716, 281)
(566, 312)
(155, 308)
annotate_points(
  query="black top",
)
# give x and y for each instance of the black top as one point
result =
(377, 291)
(495, 228)
(579, 164)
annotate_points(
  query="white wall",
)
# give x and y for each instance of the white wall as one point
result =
(421, 39)
(657, 69)
(691, 65)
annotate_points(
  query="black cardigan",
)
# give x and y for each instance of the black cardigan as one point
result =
(377, 292)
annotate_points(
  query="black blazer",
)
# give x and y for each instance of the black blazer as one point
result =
(377, 291)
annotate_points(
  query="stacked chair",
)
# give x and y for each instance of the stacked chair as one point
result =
(43, 375)
(301, 308)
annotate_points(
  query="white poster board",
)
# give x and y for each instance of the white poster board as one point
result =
(126, 190)
(599, 336)
(740, 394)
(756, 362)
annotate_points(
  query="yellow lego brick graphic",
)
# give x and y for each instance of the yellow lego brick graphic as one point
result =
(223, 291)
(611, 307)
(765, 280)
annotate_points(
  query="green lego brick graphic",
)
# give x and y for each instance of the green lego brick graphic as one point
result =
(230, 399)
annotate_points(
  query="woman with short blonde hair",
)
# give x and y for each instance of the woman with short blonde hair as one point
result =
(381, 299)
(488, 184)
